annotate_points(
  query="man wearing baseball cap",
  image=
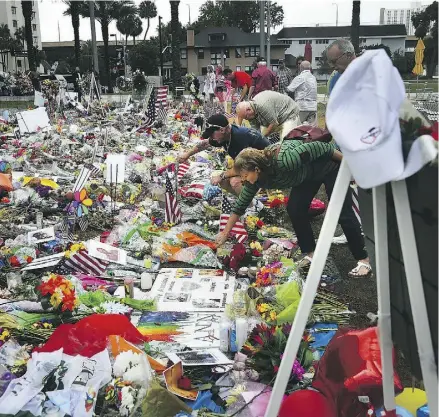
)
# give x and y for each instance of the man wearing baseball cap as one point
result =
(219, 133)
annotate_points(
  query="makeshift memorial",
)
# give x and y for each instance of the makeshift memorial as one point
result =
(205, 357)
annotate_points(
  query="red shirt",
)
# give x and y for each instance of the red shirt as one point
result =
(242, 79)
(263, 79)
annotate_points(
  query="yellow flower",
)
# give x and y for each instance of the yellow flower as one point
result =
(56, 298)
(263, 307)
(273, 315)
(5, 334)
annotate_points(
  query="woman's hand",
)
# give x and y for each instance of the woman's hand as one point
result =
(221, 238)
(337, 156)
(216, 180)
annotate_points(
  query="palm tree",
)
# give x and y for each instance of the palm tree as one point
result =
(26, 6)
(73, 11)
(5, 44)
(175, 46)
(124, 26)
(148, 11)
(20, 36)
(355, 30)
(105, 13)
(137, 28)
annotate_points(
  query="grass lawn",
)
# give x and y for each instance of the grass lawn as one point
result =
(15, 104)
(411, 86)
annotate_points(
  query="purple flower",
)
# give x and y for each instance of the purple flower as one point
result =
(298, 370)
(158, 222)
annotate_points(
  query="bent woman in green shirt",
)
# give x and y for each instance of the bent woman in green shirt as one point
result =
(303, 167)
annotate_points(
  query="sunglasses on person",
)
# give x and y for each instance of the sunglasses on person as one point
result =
(209, 125)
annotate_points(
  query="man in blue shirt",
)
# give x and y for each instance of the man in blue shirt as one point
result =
(340, 54)
(233, 139)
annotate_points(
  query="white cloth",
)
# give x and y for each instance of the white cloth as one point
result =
(363, 116)
(305, 88)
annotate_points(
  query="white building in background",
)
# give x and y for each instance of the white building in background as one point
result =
(320, 37)
(11, 14)
(401, 16)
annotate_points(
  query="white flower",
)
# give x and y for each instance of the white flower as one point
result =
(112, 307)
(125, 361)
(127, 403)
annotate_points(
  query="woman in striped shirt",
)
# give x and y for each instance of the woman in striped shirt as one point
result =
(303, 167)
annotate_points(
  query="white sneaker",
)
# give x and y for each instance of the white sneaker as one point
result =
(339, 240)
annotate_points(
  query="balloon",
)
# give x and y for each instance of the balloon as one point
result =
(400, 412)
(411, 399)
(306, 403)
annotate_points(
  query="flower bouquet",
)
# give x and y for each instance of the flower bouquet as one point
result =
(58, 292)
(265, 347)
(268, 275)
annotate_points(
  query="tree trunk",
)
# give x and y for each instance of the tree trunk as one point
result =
(27, 14)
(134, 40)
(74, 8)
(176, 66)
(147, 29)
(433, 62)
(105, 36)
(355, 29)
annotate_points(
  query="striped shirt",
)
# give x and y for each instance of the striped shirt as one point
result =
(295, 163)
(273, 107)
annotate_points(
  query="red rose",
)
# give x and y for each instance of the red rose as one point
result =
(256, 253)
(259, 224)
(276, 203)
(13, 261)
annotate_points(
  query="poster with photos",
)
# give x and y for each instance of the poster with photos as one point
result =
(186, 289)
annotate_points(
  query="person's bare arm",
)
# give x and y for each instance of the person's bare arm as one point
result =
(250, 93)
(337, 156)
(243, 92)
(270, 128)
(202, 146)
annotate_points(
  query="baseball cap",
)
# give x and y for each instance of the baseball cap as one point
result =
(213, 123)
(260, 59)
(363, 117)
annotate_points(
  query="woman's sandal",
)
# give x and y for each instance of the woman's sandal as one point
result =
(305, 263)
(355, 272)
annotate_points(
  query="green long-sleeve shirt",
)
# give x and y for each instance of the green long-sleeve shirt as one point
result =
(295, 163)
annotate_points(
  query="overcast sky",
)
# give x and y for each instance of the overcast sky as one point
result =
(296, 12)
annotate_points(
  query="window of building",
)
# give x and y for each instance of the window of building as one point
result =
(248, 69)
(226, 53)
(15, 24)
(238, 68)
(34, 27)
(251, 51)
(183, 54)
(19, 63)
(217, 37)
(362, 40)
(322, 41)
(238, 53)
(317, 58)
(215, 56)
(203, 70)
(33, 15)
(274, 68)
(287, 41)
(14, 10)
(201, 53)
(304, 41)
(35, 40)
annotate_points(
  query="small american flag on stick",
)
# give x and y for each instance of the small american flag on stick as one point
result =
(238, 229)
(82, 262)
(182, 169)
(172, 209)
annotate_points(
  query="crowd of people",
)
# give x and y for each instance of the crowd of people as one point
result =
(278, 103)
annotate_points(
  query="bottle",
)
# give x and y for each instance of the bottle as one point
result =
(224, 334)
(128, 284)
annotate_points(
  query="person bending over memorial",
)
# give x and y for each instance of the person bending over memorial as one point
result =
(303, 167)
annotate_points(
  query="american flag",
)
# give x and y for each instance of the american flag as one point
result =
(150, 111)
(238, 229)
(83, 177)
(162, 114)
(172, 210)
(82, 262)
(161, 97)
(94, 170)
(182, 169)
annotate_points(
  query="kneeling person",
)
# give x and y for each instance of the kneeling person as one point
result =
(233, 139)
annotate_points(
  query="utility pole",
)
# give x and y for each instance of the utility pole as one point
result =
(160, 45)
(262, 27)
(91, 6)
(336, 13)
(268, 34)
(189, 7)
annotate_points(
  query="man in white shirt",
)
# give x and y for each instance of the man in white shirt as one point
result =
(304, 87)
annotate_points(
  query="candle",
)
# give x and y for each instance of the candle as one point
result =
(241, 332)
(146, 281)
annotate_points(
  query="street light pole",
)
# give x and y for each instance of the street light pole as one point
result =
(189, 7)
(336, 13)
(160, 44)
(268, 34)
(262, 28)
(91, 5)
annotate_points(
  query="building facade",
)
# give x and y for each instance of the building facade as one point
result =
(11, 14)
(228, 46)
(401, 16)
(320, 37)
